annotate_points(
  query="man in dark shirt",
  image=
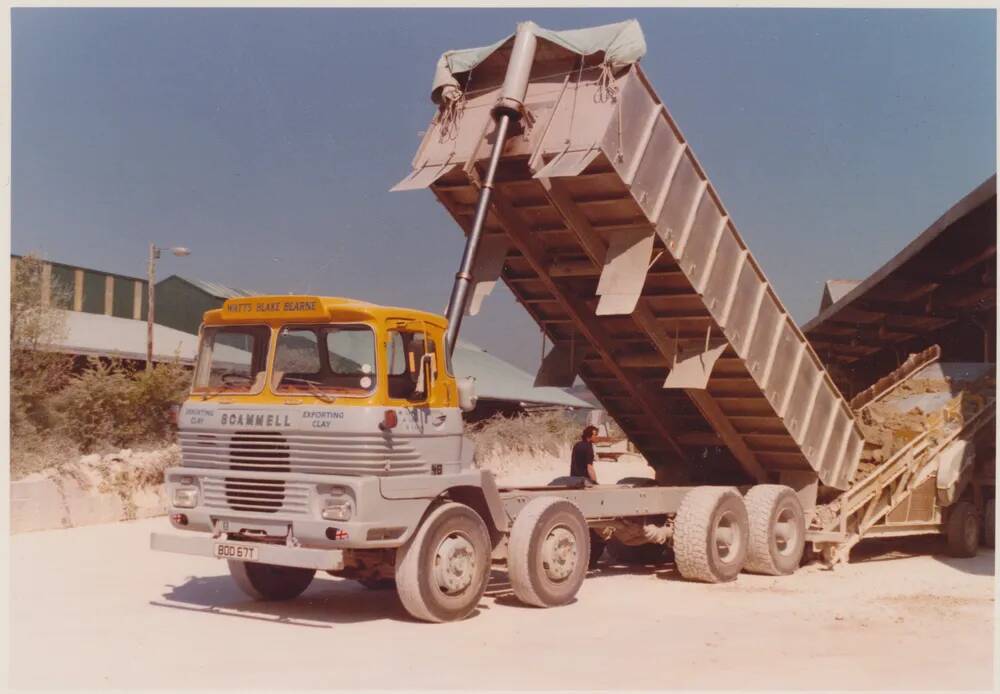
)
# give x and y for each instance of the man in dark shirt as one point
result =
(582, 460)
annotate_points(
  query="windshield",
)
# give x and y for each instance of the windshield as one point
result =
(231, 359)
(325, 359)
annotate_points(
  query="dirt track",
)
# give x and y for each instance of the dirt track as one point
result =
(95, 608)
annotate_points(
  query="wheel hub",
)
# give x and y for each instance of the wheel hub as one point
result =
(559, 554)
(786, 532)
(454, 564)
(727, 537)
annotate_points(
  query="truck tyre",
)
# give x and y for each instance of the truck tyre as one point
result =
(442, 571)
(270, 582)
(777, 530)
(963, 530)
(638, 554)
(989, 523)
(711, 534)
(548, 552)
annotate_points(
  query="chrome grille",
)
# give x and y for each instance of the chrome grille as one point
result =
(265, 496)
(257, 495)
(300, 452)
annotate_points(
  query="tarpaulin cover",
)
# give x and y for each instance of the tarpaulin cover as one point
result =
(621, 43)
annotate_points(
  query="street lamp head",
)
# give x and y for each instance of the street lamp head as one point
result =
(180, 251)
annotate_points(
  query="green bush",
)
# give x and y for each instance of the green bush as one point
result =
(530, 433)
(109, 405)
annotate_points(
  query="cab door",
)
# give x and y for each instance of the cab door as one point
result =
(411, 357)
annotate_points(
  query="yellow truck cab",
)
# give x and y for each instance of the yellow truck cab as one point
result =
(308, 350)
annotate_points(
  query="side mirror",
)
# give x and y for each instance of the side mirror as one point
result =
(466, 393)
(425, 377)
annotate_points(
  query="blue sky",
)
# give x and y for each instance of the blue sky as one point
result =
(267, 140)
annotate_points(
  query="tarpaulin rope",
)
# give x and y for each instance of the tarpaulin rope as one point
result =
(452, 110)
(606, 91)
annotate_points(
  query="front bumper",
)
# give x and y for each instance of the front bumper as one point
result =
(378, 523)
(281, 555)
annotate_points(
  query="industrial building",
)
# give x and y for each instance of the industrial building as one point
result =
(940, 289)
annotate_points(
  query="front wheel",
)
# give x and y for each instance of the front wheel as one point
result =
(270, 582)
(548, 552)
(442, 571)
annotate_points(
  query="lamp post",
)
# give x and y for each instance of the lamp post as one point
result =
(154, 253)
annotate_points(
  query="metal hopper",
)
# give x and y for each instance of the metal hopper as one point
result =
(597, 215)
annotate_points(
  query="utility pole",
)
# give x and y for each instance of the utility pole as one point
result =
(154, 254)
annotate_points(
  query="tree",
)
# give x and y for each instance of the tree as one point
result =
(36, 372)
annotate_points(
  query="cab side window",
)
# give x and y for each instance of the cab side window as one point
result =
(405, 352)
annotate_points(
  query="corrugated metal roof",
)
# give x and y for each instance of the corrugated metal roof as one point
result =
(219, 291)
(498, 380)
(939, 289)
(100, 335)
(84, 268)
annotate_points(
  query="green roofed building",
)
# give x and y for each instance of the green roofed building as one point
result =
(76, 288)
(181, 301)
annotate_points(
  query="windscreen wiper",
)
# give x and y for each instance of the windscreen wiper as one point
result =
(313, 387)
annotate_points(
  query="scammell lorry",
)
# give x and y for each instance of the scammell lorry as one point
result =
(326, 434)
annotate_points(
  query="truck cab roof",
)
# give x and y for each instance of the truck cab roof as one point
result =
(283, 308)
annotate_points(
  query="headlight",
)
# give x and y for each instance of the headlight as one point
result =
(338, 508)
(185, 497)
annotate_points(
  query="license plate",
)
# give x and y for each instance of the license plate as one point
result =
(232, 550)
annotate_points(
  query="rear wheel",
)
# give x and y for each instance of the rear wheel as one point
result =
(777, 530)
(711, 534)
(989, 523)
(548, 552)
(270, 582)
(442, 571)
(963, 530)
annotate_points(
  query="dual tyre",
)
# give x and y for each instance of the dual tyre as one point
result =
(718, 533)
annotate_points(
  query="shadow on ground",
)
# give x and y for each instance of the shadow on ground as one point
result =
(327, 602)
(889, 548)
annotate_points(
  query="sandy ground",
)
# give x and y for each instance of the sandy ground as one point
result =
(111, 613)
(95, 608)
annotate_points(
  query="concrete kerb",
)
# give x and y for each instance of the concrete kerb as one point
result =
(95, 489)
